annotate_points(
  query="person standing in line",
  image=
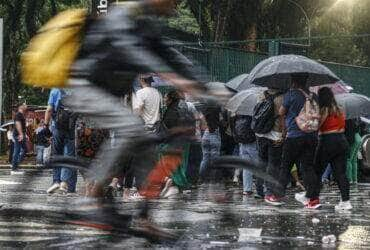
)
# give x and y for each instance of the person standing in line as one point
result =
(10, 137)
(333, 145)
(147, 102)
(245, 137)
(299, 145)
(270, 144)
(41, 142)
(63, 143)
(211, 141)
(19, 136)
(354, 140)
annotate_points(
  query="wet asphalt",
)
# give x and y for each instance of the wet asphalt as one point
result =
(212, 216)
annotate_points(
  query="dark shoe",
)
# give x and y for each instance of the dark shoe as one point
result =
(259, 196)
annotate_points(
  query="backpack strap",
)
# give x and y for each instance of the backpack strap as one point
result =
(310, 96)
(273, 96)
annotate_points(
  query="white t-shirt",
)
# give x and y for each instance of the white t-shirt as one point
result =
(147, 103)
(10, 136)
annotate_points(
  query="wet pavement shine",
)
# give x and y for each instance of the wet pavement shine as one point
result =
(209, 217)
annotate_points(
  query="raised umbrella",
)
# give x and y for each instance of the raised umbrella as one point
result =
(276, 72)
(240, 83)
(355, 105)
(244, 102)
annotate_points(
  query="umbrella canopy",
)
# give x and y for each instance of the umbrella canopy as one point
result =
(7, 124)
(244, 102)
(240, 83)
(218, 87)
(276, 71)
(337, 88)
(220, 90)
(355, 105)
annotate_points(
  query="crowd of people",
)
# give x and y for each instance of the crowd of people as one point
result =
(294, 156)
(294, 135)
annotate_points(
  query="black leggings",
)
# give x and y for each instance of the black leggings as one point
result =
(332, 149)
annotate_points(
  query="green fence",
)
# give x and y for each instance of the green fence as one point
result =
(224, 63)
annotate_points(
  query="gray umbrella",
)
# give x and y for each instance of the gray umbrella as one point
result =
(276, 71)
(218, 87)
(6, 124)
(355, 105)
(244, 102)
(240, 83)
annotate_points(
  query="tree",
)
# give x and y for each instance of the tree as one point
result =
(22, 18)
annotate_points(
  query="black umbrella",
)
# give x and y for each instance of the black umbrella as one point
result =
(276, 71)
(240, 83)
(355, 105)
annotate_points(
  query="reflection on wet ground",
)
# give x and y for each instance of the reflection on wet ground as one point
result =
(212, 216)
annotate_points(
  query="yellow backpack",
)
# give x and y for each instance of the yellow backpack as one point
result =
(47, 60)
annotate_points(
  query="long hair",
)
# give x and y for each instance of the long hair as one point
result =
(327, 102)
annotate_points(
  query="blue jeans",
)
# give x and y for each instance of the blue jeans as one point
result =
(40, 154)
(249, 152)
(327, 173)
(211, 146)
(19, 152)
(64, 144)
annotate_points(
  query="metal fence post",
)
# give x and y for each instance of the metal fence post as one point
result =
(274, 48)
(1, 74)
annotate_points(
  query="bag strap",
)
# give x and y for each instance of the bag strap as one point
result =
(310, 96)
(273, 96)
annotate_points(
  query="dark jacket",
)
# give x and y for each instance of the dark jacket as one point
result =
(121, 45)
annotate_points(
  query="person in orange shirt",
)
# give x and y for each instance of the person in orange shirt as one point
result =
(333, 146)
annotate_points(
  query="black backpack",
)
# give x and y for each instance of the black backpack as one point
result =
(264, 117)
(65, 119)
(243, 132)
(186, 117)
(177, 116)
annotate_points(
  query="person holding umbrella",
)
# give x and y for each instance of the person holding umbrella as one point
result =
(300, 143)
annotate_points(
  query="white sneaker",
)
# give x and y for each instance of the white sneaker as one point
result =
(16, 172)
(135, 196)
(171, 191)
(301, 197)
(166, 187)
(53, 188)
(344, 205)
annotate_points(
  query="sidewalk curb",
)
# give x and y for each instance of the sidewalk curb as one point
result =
(24, 167)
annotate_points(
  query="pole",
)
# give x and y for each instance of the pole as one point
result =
(199, 22)
(307, 19)
(1, 73)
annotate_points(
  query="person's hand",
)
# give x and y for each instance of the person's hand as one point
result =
(20, 137)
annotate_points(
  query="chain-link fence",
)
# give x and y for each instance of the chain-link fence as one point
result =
(223, 61)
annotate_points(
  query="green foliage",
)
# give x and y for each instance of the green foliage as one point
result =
(184, 20)
(22, 19)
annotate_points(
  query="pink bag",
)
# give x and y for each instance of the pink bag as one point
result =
(308, 119)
